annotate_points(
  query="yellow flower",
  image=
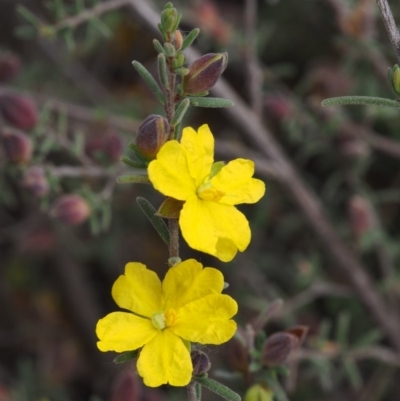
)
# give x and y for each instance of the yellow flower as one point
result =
(186, 307)
(208, 220)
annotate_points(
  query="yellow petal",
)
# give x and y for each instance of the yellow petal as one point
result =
(164, 360)
(169, 173)
(199, 148)
(206, 320)
(214, 228)
(122, 331)
(235, 181)
(188, 281)
(138, 290)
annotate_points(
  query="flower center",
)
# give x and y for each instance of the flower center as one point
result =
(158, 320)
(207, 192)
(161, 320)
(171, 317)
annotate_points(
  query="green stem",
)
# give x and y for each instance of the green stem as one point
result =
(191, 392)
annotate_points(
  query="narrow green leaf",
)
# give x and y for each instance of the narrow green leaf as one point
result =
(162, 30)
(218, 388)
(79, 6)
(369, 338)
(25, 32)
(157, 222)
(276, 387)
(190, 38)
(169, 49)
(126, 357)
(138, 154)
(342, 330)
(360, 100)
(353, 373)
(158, 46)
(150, 81)
(30, 17)
(133, 179)
(59, 9)
(133, 163)
(210, 102)
(162, 70)
(69, 40)
(178, 21)
(101, 27)
(180, 112)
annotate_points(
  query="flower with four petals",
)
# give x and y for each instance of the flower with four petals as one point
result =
(186, 307)
(209, 221)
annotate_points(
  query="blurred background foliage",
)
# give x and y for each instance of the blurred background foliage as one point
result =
(60, 255)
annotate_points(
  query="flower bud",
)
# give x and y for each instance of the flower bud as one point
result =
(71, 210)
(169, 18)
(17, 146)
(106, 145)
(18, 111)
(10, 65)
(178, 40)
(34, 180)
(394, 79)
(151, 135)
(278, 347)
(201, 363)
(258, 392)
(360, 215)
(204, 73)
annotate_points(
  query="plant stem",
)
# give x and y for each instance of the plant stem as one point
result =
(173, 238)
(390, 26)
(191, 391)
(170, 112)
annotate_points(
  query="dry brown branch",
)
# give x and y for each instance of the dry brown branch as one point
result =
(390, 26)
(306, 200)
(379, 353)
(254, 75)
(84, 16)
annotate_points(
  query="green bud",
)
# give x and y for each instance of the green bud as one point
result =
(204, 73)
(394, 79)
(180, 60)
(169, 17)
(151, 135)
(258, 392)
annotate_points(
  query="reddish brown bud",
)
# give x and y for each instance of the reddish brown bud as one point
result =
(18, 111)
(71, 209)
(361, 217)
(104, 146)
(35, 181)
(258, 392)
(17, 146)
(178, 40)
(278, 106)
(278, 347)
(10, 65)
(126, 387)
(204, 73)
(201, 363)
(151, 135)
